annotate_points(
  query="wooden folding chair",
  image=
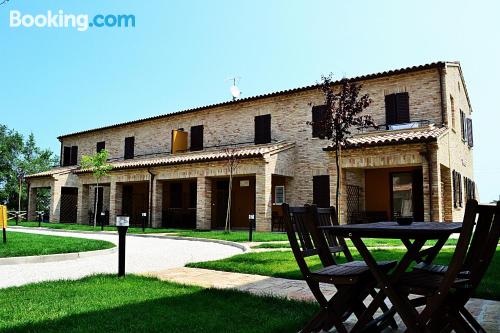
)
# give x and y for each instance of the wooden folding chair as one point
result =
(481, 252)
(326, 217)
(351, 281)
(446, 293)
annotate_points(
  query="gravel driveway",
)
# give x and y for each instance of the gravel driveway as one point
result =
(143, 254)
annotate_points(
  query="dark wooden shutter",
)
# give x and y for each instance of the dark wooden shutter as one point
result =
(321, 191)
(470, 138)
(100, 146)
(74, 155)
(403, 108)
(66, 156)
(263, 129)
(129, 147)
(390, 109)
(454, 181)
(460, 191)
(197, 138)
(462, 124)
(319, 114)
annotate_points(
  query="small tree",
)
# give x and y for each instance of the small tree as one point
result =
(231, 160)
(343, 106)
(97, 163)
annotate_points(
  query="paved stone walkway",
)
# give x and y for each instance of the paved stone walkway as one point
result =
(486, 312)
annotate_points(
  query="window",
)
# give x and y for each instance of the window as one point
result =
(129, 148)
(197, 138)
(319, 122)
(452, 105)
(279, 194)
(457, 189)
(66, 156)
(100, 146)
(263, 129)
(321, 191)
(470, 188)
(397, 108)
(74, 155)
(470, 138)
(463, 125)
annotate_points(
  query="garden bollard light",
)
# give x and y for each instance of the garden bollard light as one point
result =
(251, 221)
(122, 223)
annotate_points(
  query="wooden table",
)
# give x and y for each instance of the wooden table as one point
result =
(413, 237)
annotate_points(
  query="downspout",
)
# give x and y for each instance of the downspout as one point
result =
(150, 208)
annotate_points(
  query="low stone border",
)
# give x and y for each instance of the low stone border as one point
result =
(240, 246)
(55, 257)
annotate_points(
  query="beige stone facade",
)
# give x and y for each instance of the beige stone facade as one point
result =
(293, 155)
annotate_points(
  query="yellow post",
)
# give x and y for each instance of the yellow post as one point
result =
(3, 222)
(3, 216)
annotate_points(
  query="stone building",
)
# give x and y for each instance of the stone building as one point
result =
(174, 167)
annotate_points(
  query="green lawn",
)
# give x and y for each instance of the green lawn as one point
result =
(22, 244)
(282, 264)
(139, 304)
(234, 236)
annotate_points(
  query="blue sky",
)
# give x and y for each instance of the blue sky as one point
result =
(56, 81)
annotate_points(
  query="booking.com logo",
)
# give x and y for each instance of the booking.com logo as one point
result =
(80, 22)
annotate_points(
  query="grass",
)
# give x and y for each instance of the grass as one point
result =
(282, 264)
(139, 304)
(234, 236)
(23, 244)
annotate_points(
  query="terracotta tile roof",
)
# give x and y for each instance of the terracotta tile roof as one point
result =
(52, 172)
(439, 64)
(378, 138)
(201, 156)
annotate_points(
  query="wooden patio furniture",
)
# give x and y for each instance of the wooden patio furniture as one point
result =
(326, 217)
(414, 237)
(446, 289)
(352, 280)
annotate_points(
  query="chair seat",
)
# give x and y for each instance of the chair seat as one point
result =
(423, 282)
(348, 272)
(438, 269)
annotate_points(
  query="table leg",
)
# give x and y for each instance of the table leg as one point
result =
(408, 314)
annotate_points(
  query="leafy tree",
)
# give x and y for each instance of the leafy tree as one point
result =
(343, 105)
(17, 159)
(100, 168)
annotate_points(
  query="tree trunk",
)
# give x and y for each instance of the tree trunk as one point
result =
(96, 198)
(228, 212)
(337, 194)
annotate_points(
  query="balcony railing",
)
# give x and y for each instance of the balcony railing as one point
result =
(395, 127)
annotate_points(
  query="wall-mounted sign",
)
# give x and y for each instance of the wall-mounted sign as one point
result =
(122, 221)
(244, 183)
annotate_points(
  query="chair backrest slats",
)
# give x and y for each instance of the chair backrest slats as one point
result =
(485, 245)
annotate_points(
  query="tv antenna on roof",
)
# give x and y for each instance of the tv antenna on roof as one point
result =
(235, 91)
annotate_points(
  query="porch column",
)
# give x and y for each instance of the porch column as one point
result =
(433, 209)
(156, 210)
(83, 205)
(32, 199)
(203, 203)
(263, 201)
(55, 203)
(115, 201)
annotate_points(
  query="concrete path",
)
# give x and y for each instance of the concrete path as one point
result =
(144, 254)
(486, 312)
